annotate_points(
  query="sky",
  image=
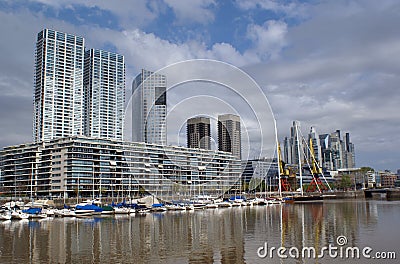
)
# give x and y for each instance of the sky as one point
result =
(329, 64)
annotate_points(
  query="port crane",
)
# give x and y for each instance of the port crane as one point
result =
(316, 171)
(284, 173)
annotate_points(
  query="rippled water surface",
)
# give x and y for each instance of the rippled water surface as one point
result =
(227, 235)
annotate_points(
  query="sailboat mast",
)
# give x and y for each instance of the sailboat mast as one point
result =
(278, 159)
(32, 183)
(298, 154)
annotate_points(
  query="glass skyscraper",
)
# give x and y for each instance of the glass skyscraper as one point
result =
(198, 133)
(76, 92)
(104, 88)
(58, 85)
(149, 108)
(229, 134)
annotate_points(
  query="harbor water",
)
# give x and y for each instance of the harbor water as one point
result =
(223, 235)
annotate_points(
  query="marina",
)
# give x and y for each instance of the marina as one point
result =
(222, 235)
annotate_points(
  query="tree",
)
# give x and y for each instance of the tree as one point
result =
(364, 170)
(345, 182)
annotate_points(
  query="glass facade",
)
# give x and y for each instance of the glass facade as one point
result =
(65, 166)
(149, 108)
(229, 134)
(58, 84)
(104, 89)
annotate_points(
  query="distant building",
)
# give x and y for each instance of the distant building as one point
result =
(287, 157)
(388, 179)
(348, 153)
(290, 151)
(326, 153)
(58, 85)
(316, 144)
(104, 88)
(372, 179)
(198, 133)
(330, 150)
(229, 134)
(149, 108)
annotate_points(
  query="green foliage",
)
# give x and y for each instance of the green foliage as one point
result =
(366, 169)
(345, 182)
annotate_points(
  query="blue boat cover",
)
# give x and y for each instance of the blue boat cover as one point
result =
(89, 207)
(32, 211)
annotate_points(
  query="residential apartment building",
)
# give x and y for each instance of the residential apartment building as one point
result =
(229, 134)
(104, 90)
(90, 167)
(58, 85)
(76, 92)
(198, 133)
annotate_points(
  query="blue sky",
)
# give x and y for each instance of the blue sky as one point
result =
(330, 64)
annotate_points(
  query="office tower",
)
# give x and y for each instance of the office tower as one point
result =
(58, 85)
(198, 133)
(149, 108)
(229, 134)
(287, 151)
(104, 89)
(326, 152)
(348, 153)
(336, 146)
(294, 141)
(316, 144)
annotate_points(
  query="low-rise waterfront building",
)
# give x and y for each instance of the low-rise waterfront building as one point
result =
(92, 167)
(388, 179)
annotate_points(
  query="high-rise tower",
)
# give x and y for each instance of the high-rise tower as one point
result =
(58, 84)
(149, 108)
(198, 133)
(229, 134)
(104, 88)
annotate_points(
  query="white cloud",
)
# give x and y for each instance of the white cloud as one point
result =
(199, 11)
(291, 9)
(129, 14)
(269, 39)
(141, 12)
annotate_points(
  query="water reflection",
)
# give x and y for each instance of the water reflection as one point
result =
(229, 235)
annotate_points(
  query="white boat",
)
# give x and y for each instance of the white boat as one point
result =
(236, 204)
(19, 215)
(158, 209)
(224, 204)
(13, 204)
(64, 213)
(189, 207)
(121, 210)
(142, 211)
(273, 201)
(5, 216)
(211, 206)
(49, 212)
(259, 201)
(38, 216)
(83, 213)
(171, 207)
